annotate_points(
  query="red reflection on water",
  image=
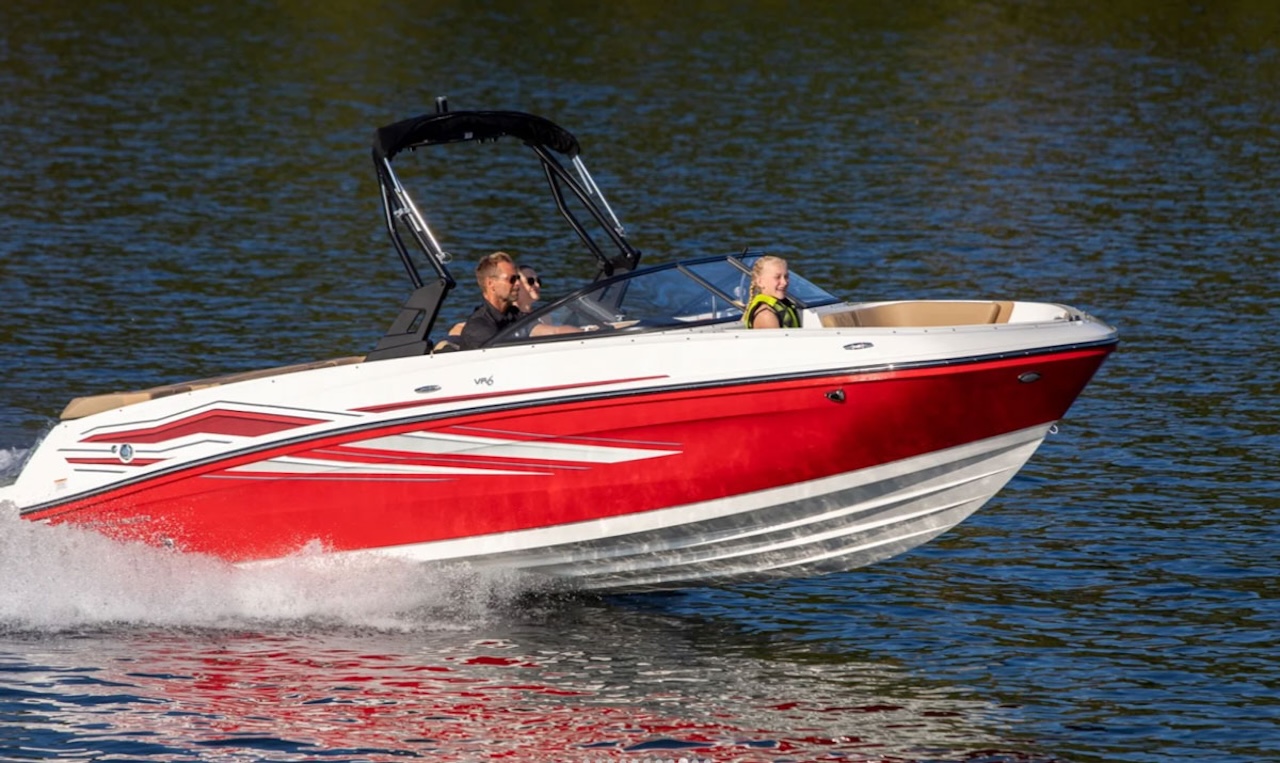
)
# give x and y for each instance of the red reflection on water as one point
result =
(247, 697)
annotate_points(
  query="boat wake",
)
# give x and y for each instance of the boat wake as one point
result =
(11, 463)
(60, 578)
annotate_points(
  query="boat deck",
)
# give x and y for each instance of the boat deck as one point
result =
(86, 406)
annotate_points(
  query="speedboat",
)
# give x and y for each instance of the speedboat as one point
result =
(663, 445)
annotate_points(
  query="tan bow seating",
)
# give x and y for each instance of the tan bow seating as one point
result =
(920, 313)
(84, 406)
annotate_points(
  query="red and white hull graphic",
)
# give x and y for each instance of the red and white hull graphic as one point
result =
(621, 489)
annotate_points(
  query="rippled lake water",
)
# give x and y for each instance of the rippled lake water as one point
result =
(188, 191)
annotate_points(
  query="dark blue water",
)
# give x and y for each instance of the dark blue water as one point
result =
(188, 192)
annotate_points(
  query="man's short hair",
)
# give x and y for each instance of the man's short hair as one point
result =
(488, 265)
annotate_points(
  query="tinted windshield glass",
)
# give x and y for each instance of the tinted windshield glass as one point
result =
(702, 292)
(726, 277)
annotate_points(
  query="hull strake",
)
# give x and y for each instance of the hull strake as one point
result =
(503, 471)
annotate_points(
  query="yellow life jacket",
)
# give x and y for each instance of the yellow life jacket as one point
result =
(788, 318)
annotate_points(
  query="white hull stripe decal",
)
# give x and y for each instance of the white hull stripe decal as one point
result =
(439, 444)
(294, 465)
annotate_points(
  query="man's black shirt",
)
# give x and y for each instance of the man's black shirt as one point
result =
(485, 323)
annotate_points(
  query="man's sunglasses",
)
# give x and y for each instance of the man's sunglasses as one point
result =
(515, 279)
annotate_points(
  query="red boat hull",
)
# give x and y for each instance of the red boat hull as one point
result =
(493, 468)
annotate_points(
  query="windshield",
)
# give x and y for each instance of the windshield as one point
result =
(695, 292)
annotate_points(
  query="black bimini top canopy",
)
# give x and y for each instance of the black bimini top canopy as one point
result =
(457, 126)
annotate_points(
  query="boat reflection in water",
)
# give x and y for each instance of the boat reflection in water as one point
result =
(283, 698)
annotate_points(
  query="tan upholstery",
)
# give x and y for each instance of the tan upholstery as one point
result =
(845, 319)
(1006, 309)
(928, 314)
(921, 313)
(84, 406)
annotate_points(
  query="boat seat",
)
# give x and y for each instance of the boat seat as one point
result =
(842, 320)
(921, 313)
(450, 342)
(85, 406)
